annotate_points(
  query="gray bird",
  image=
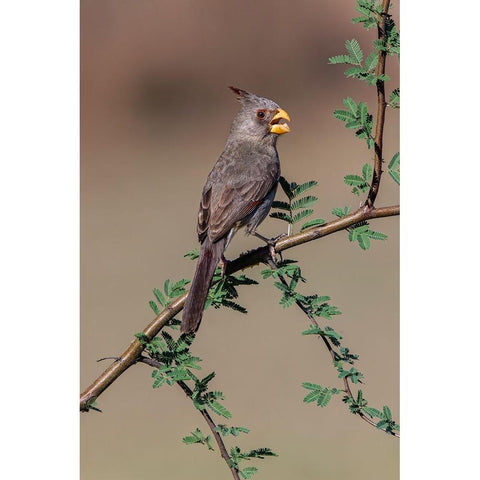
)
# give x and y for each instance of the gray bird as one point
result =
(239, 191)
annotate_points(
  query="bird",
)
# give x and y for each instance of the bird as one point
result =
(238, 192)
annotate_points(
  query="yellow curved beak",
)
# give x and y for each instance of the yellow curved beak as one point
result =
(275, 123)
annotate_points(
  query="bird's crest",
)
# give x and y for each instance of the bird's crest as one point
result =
(241, 94)
(250, 99)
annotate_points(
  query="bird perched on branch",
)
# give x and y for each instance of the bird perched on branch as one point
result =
(239, 191)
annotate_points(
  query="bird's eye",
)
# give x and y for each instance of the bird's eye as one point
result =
(260, 114)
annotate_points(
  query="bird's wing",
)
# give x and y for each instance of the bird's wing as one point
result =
(204, 212)
(234, 204)
(238, 199)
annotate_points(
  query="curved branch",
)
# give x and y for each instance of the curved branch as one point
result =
(251, 258)
(211, 424)
(331, 351)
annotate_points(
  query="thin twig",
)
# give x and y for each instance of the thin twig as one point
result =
(254, 257)
(330, 349)
(381, 107)
(211, 424)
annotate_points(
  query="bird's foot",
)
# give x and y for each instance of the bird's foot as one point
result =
(271, 242)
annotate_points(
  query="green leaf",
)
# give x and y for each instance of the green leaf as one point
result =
(286, 187)
(159, 378)
(383, 77)
(332, 334)
(235, 431)
(346, 356)
(154, 307)
(261, 453)
(354, 180)
(371, 79)
(373, 412)
(363, 113)
(190, 440)
(311, 386)
(364, 242)
(387, 412)
(178, 288)
(219, 409)
(303, 187)
(171, 343)
(393, 37)
(341, 212)
(311, 397)
(204, 382)
(351, 105)
(198, 437)
(382, 424)
(301, 215)
(394, 168)
(166, 287)
(354, 124)
(371, 61)
(339, 59)
(304, 202)
(354, 72)
(380, 45)
(319, 299)
(234, 306)
(370, 13)
(376, 235)
(367, 172)
(344, 115)
(281, 205)
(159, 296)
(142, 338)
(313, 330)
(282, 216)
(208, 442)
(367, 22)
(192, 254)
(356, 54)
(325, 310)
(356, 231)
(319, 394)
(353, 374)
(248, 472)
(287, 300)
(312, 223)
(394, 100)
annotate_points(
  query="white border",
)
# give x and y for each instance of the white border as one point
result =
(39, 87)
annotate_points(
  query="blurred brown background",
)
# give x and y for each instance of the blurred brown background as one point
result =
(155, 115)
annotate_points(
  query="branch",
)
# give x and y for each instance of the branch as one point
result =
(251, 258)
(346, 382)
(211, 424)
(381, 107)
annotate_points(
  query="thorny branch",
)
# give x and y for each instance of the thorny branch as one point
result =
(211, 424)
(381, 107)
(331, 351)
(251, 258)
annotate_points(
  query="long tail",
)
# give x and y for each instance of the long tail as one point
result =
(210, 255)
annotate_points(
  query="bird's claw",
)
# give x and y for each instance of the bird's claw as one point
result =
(271, 242)
(274, 240)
